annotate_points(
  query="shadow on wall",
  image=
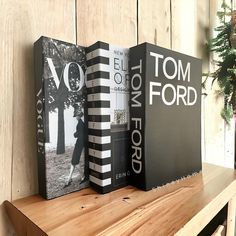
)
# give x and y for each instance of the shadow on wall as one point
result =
(24, 125)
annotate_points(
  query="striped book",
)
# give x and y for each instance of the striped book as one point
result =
(108, 116)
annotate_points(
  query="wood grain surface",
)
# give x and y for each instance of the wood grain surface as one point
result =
(109, 21)
(179, 24)
(6, 111)
(181, 208)
(22, 23)
(184, 26)
(219, 137)
(202, 32)
(6, 103)
(55, 19)
(231, 217)
(154, 21)
(220, 231)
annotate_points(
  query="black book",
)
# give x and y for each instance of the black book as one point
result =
(108, 116)
(165, 113)
(61, 117)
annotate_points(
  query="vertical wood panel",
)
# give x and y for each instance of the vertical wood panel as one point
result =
(31, 20)
(203, 32)
(231, 231)
(184, 15)
(23, 22)
(219, 138)
(106, 20)
(6, 111)
(213, 124)
(154, 22)
(6, 103)
(202, 36)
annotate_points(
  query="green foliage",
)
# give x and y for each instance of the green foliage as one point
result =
(225, 74)
(227, 113)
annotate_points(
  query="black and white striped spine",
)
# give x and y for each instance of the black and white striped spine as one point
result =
(99, 112)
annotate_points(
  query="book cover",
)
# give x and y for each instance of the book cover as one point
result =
(108, 116)
(61, 117)
(165, 113)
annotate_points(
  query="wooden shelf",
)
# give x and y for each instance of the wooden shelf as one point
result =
(182, 208)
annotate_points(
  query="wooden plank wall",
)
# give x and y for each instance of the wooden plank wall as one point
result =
(106, 20)
(214, 125)
(219, 137)
(23, 22)
(154, 22)
(177, 24)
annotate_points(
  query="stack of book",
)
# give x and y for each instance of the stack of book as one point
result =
(113, 116)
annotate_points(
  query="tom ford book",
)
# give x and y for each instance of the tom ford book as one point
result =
(165, 116)
(61, 117)
(108, 116)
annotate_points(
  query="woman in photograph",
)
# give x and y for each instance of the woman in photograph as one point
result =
(79, 145)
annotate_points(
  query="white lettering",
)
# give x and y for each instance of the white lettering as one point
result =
(66, 76)
(138, 82)
(54, 73)
(191, 103)
(164, 97)
(139, 164)
(136, 103)
(138, 67)
(151, 92)
(157, 56)
(137, 121)
(173, 95)
(136, 138)
(181, 71)
(167, 59)
(181, 95)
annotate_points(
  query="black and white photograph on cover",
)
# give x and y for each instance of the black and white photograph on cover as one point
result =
(78, 151)
(65, 98)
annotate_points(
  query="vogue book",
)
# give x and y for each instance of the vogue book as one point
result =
(61, 117)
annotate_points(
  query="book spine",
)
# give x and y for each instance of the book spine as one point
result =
(40, 108)
(99, 126)
(137, 116)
